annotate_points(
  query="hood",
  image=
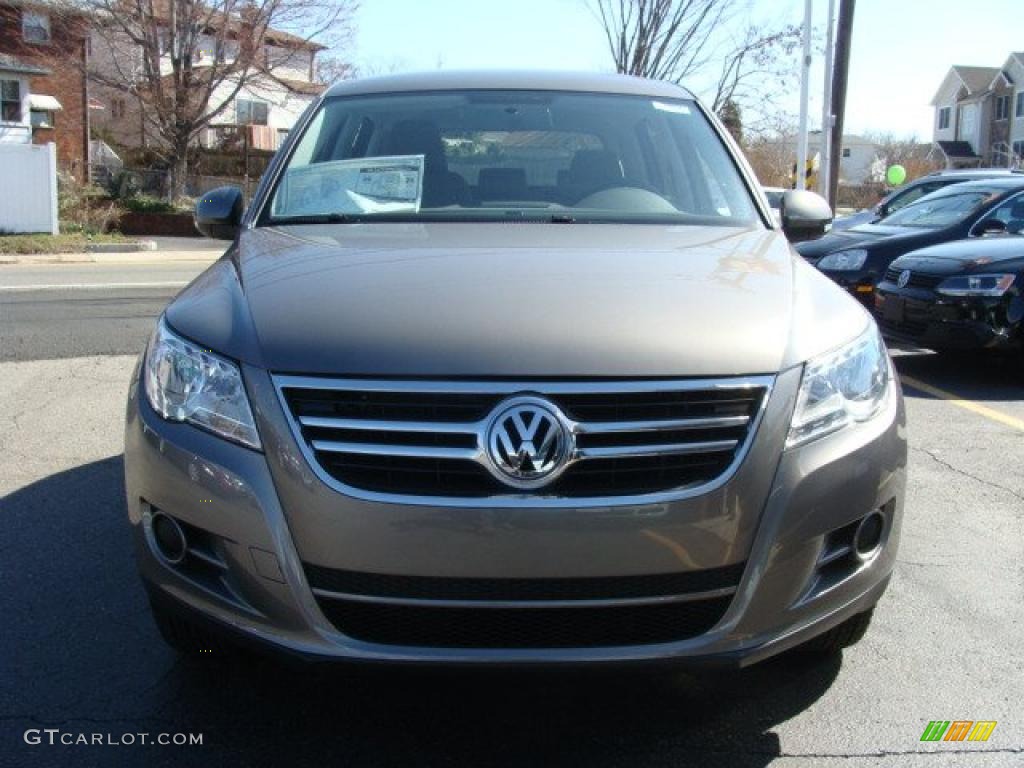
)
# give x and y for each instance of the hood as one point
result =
(964, 256)
(852, 237)
(515, 300)
(854, 220)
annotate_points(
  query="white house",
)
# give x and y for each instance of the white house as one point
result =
(859, 162)
(261, 113)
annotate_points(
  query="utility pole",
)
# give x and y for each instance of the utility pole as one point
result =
(805, 76)
(824, 174)
(840, 77)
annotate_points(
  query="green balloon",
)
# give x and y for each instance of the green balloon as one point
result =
(896, 175)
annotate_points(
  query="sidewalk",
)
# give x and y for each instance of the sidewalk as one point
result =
(168, 249)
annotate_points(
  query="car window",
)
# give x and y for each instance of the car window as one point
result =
(941, 209)
(1011, 213)
(914, 193)
(500, 155)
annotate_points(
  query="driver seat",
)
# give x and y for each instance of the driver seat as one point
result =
(1015, 225)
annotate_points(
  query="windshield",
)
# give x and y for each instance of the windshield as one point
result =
(511, 155)
(940, 209)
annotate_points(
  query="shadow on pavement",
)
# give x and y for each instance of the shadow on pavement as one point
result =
(973, 376)
(80, 653)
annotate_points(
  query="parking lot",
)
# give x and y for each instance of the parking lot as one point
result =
(79, 652)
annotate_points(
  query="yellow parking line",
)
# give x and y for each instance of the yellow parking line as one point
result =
(970, 405)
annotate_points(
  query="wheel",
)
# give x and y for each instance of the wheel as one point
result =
(846, 634)
(182, 635)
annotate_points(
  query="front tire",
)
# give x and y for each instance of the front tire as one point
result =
(182, 635)
(849, 633)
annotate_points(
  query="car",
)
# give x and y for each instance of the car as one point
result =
(965, 295)
(513, 368)
(915, 190)
(858, 258)
(775, 195)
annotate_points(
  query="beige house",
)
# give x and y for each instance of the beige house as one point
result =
(979, 115)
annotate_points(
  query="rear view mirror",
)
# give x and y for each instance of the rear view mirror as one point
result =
(805, 215)
(219, 212)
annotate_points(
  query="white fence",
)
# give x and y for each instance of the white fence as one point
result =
(28, 188)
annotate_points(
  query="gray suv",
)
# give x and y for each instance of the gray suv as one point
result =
(513, 368)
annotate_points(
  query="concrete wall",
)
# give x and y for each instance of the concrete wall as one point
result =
(31, 204)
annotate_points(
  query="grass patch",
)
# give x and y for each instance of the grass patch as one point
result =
(65, 243)
(147, 204)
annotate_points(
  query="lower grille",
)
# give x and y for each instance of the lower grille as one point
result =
(462, 588)
(428, 438)
(457, 627)
(523, 612)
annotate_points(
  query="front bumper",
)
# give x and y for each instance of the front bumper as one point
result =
(249, 579)
(927, 319)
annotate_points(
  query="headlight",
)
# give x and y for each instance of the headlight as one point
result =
(844, 261)
(187, 383)
(841, 387)
(976, 285)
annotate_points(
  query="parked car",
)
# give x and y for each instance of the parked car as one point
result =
(857, 258)
(775, 195)
(967, 294)
(513, 368)
(915, 190)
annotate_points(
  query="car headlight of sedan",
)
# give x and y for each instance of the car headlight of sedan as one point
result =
(186, 383)
(844, 261)
(841, 387)
(976, 285)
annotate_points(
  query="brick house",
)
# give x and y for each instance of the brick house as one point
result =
(44, 96)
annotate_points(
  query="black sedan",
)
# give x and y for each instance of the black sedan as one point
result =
(963, 295)
(857, 258)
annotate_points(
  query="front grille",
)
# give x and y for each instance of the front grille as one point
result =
(573, 627)
(526, 589)
(917, 279)
(426, 439)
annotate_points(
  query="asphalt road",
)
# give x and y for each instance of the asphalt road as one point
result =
(79, 653)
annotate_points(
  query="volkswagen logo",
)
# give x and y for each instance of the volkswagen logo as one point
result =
(903, 279)
(528, 442)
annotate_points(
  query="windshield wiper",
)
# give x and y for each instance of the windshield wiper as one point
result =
(320, 218)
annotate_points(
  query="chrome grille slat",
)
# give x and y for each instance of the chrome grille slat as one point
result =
(673, 449)
(423, 442)
(411, 451)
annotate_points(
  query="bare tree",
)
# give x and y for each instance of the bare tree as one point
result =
(915, 157)
(676, 40)
(184, 61)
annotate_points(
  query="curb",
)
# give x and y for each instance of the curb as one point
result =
(130, 257)
(132, 247)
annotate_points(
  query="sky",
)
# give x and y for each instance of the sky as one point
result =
(901, 51)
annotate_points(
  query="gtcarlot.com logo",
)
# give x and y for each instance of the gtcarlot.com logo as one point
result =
(958, 730)
(55, 736)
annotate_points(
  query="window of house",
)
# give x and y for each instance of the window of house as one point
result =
(1002, 107)
(249, 112)
(117, 109)
(35, 27)
(1019, 112)
(846, 151)
(944, 118)
(10, 101)
(1018, 150)
(41, 118)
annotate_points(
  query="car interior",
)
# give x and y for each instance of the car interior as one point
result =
(502, 150)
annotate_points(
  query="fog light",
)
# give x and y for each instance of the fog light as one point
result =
(169, 538)
(868, 536)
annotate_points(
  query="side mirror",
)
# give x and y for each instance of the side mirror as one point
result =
(805, 215)
(991, 227)
(219, 212)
